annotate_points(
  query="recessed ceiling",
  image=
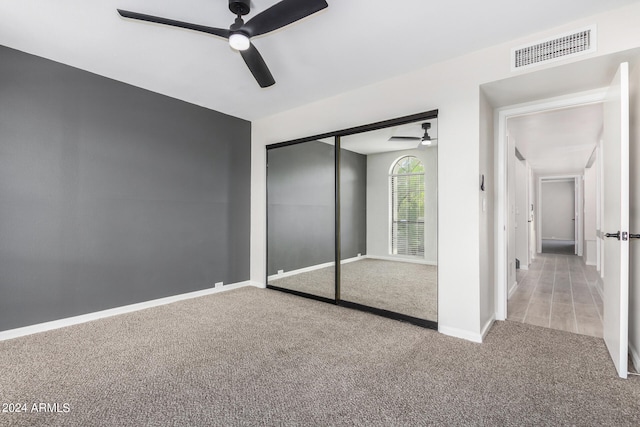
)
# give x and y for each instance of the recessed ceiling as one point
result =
(348, 45)
(558, 141)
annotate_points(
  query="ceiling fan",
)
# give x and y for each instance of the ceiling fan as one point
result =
(424, 141)
(239, 34)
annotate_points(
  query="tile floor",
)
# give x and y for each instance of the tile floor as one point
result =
(558, 292)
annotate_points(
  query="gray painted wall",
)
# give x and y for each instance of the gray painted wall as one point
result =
(301, 205)
(353, 204)
(112, 195)
(558, 210)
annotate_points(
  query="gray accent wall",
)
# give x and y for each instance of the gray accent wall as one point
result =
(301, 205)
(111, 194)
(353, 204)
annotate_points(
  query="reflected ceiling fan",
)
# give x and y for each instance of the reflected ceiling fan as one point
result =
(424, 141)
(240, 33)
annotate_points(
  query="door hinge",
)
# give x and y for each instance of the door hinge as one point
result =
(625, 235)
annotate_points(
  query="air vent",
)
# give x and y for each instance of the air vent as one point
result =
(560, 47)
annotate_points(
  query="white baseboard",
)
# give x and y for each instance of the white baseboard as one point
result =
(83, 318)
(635, 356)
(301, 270)
(346, 261)
(487, 326)
(512, 289)
(400, 259)
(355, 258)
(599, 287)
(460, 333)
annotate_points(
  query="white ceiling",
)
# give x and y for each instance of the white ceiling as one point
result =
(350, 44)
(558, 141)
(377, 141)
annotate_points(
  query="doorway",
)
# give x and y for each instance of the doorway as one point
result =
(558, 199)
(549, 152)
(515, 96)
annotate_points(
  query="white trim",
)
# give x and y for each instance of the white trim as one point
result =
(83, 318)
(400, 259)
(349, 260)
(635, 356)
(577, 189)
(354, 259)
(487, 327)
(501, 237)
(301, 270)
(599, 287)
(460, 333)
(512, 289)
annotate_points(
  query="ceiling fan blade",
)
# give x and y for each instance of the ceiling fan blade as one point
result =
(405, 138)
(220, 32)
(282, 14)
(257, 66)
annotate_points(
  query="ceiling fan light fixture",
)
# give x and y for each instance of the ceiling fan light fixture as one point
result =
(426, 142)
(239, 41)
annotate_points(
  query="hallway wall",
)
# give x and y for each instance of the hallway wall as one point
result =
(590, 237)
(522, 212)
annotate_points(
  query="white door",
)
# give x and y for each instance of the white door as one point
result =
(616, 219)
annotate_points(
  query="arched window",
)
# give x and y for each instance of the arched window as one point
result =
(407, 207)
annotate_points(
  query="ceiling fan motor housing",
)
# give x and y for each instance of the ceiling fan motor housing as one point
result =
(240, 7)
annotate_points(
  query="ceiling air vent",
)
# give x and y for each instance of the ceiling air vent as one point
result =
(553, 49)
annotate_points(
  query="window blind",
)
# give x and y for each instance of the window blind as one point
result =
(407, 225)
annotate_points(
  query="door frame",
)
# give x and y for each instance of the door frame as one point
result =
(577, 194)
(501, 202)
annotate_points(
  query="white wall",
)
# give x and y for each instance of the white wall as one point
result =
(486, 222)
(634, 217)
(378, 199)
(522, 212)
(558, 209)
(511, 200)
(531, 215)
(453, 88)
(589, 255)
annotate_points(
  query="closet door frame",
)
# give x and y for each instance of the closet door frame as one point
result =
(337, 135)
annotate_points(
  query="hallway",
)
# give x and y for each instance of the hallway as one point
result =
(558, 292)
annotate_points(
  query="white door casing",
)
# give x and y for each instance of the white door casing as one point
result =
(502, 202)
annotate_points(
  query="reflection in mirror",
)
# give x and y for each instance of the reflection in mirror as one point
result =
(301, 217)
(388, 201)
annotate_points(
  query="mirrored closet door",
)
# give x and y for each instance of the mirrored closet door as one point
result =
(366, 197)
(300, 218)
(388, 201)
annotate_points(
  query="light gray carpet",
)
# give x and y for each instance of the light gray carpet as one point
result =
(402, 287)
(259, 357)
